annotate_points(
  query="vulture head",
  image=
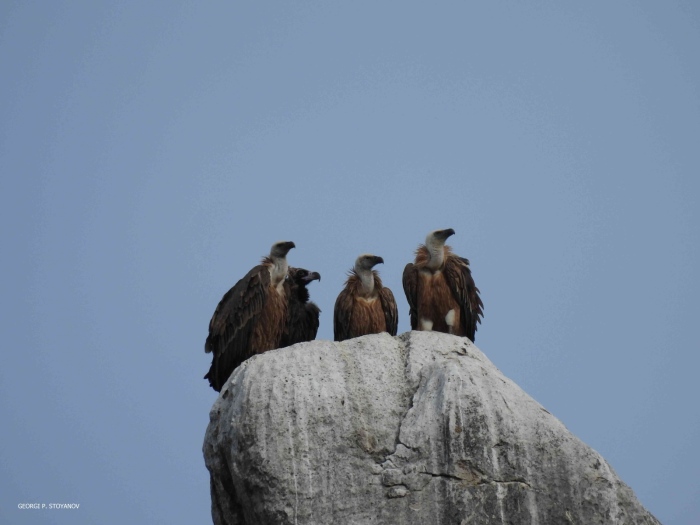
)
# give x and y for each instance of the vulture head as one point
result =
(435, 243)
(303, 277)
(438, 237)
(299, 278)
(366, 262)
(280, 249)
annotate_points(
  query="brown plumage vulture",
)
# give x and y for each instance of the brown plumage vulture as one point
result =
(251, 316)
(302, 314)
(364, 306)
(440, 289)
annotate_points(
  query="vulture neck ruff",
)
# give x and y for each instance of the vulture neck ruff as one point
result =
(367, 280)
(436, 254)
(278, 271)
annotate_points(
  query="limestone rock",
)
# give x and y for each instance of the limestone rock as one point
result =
(416, 429)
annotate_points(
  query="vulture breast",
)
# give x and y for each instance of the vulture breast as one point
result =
(437, 304)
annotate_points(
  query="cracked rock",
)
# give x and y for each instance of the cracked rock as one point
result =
(419, 428)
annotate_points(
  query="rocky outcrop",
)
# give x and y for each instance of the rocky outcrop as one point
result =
(416, 429)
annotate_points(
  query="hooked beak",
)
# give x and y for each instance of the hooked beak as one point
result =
(444, 234)
(313, 276)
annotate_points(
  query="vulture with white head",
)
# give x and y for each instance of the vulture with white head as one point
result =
(440, 289)
(251, 316)
(364, 306)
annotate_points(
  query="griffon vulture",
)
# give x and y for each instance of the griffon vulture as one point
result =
(440, 289)
(250, 318)
(302, 314)
(364, 306)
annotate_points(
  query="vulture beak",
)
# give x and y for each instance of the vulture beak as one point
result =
(444, 234)
(313, 276)
(378, 260)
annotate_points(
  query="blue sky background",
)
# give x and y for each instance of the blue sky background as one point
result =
(151, 152)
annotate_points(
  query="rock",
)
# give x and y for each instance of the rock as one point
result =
(416, 429)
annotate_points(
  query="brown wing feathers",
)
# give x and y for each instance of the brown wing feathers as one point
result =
(391, 311)
(231, 326)
(343, 321)
(461, 283)
(410, 287)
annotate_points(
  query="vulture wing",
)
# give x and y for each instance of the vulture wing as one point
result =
(391, 311)
(231, 326)
(459, 279)
(342, 315)
(311, 322)
(410, 288)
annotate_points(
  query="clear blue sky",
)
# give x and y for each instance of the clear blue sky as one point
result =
(151, 152)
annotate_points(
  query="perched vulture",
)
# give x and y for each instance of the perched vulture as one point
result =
(440, 290)
(302, 314)
(250, 318)
(364, 306)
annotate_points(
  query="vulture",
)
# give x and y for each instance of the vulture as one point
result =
(251, 316)
(302, 314)
(364, 306)
(440, 289)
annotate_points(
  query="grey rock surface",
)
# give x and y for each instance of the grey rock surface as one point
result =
(416, 429)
